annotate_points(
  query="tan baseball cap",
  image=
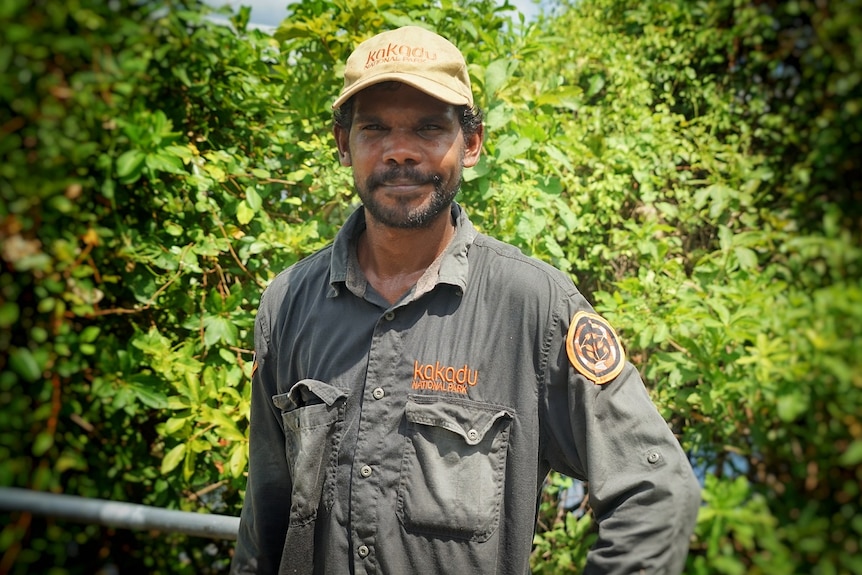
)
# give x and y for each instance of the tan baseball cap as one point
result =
(413, 56)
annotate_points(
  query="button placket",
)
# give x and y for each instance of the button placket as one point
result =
(373, 428)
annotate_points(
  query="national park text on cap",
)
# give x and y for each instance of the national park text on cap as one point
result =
(413, 56)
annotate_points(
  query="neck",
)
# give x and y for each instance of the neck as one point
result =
(394, 259)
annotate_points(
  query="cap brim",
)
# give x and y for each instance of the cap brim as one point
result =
(430, 87)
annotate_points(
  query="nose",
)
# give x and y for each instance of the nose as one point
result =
(402, 148)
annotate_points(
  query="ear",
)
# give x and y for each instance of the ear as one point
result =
(473, 148)
(342, 141)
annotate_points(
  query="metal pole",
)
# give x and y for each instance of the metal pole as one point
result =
(117, 514)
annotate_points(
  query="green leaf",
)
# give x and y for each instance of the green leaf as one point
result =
(90, 333)
(725, 236)
(747, 258)
(174, 424)
(564, 97)
(219, 329)
(531, 225)
(165, 162)
(227, 426)
(791, 406)
(496, 74)
(596, 83)
(238, 459)
(199, 445)
(9, 314)
(182, 75)
(253, 198)
(182, 152)
(147, 393)
(511, 146)
(174, 229)
(24, 364)
(42, 443)
(173, 458)
(721, 310)
(853, 455)
(130, 166)
(244, 213)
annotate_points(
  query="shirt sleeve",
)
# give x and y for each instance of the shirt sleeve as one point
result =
(642, 489)
(264, 519)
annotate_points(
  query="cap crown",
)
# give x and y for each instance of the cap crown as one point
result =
(413, 56)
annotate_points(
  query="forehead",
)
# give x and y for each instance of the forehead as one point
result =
(397, 98)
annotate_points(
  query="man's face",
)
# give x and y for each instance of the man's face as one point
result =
(407, 151)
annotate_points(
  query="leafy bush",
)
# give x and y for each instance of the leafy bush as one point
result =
(137, 150)
(692, 165)
(712, 145)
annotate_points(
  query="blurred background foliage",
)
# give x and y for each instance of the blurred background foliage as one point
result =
(693, 165)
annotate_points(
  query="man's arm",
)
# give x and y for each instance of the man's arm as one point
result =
(266, 507)
(642, 489)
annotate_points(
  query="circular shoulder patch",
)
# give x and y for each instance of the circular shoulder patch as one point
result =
(594, 348)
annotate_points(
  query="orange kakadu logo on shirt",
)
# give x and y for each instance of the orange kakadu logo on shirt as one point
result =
(594, 348)
(438, 377)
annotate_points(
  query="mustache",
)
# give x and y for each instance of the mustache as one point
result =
(402, 174)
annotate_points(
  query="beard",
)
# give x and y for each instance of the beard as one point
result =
(401, 215)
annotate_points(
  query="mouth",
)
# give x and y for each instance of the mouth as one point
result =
(403, 185)
(401, 180)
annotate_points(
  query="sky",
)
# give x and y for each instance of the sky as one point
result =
(271, 12)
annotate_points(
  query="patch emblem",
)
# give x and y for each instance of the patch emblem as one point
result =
(594, 348)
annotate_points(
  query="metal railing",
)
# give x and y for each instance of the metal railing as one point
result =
(118, 514)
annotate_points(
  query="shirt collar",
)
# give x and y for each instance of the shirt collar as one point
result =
(450, 268)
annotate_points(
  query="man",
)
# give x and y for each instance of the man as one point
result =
(416, 380)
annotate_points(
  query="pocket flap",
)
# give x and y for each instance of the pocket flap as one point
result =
(308, 392)
(469, 419)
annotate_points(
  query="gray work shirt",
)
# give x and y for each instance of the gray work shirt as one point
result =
(415, 437)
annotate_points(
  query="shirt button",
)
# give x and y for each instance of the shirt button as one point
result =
(378, 393)
(389, 315)
(472, 435)
(363, 551)
(365, 471)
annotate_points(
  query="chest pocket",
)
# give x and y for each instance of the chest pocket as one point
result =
(312, 414)
(453, 467)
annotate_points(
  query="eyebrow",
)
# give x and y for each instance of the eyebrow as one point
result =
(366, 119)
(438, 118)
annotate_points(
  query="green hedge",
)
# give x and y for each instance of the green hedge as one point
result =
(694, 166)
